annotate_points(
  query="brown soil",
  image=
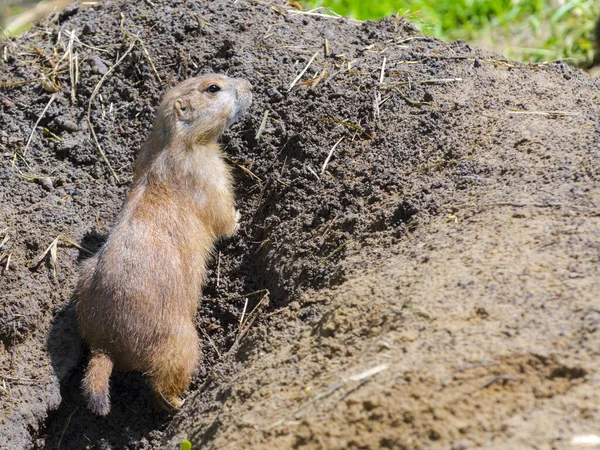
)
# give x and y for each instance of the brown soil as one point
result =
(435, 286)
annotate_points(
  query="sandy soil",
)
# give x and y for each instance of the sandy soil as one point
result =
(432, 284)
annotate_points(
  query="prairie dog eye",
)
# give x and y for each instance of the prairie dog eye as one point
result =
(213, 88)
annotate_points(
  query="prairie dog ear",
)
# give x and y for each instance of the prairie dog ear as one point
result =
(183, 109)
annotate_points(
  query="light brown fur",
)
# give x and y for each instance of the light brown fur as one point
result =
(137, 297)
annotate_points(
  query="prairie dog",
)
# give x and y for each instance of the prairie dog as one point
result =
(136, 298)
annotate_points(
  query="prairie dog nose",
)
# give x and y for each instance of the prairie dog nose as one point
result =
(243, 85)
(243, 88)
(242, 102)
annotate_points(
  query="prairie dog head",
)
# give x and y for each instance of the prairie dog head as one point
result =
(199, 109)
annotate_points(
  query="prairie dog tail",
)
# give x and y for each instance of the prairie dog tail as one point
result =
(95, 383)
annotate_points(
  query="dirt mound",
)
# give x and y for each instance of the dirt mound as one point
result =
(419, 248)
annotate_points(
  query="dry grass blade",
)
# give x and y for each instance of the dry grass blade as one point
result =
(314, 82)
(279, 311)
(76, 71)
(53, 254)
(218, 268)
(62, 435)
(19, 83)
(212, 343)
(377, 102)
(263, 125)
(441, 80)
(413, 102)
(244, 169)
(314, 14)
(333, 388)
(430, 81)
(245, 326)
(312, 171)
(246, 322)
(492, 381)
(334, 252)
(4, 390)
(22, 380)
(361, 377)
(347, 124)
(8, 99)
(5, 240)
(68, 53)
(382, 74)
(53, 251)
(368, 373)
(545, 113)
(310, 61)
(52, 98)
(73, 71)
(329, 15)
(585, 440)
(145, 50)
(330, 155)
(89, 110)
(75, 244)
(242, 318)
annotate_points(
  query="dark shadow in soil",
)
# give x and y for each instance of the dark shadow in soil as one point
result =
(64, 344)
(208, 435)
(133, 415)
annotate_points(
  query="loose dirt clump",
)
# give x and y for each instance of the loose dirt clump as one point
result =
(418, 260)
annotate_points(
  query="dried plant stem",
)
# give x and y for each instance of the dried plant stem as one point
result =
(303, 71)
(330, 155)
(52, 98)
(89, 111)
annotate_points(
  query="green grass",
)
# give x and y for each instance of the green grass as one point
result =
(527, 30)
